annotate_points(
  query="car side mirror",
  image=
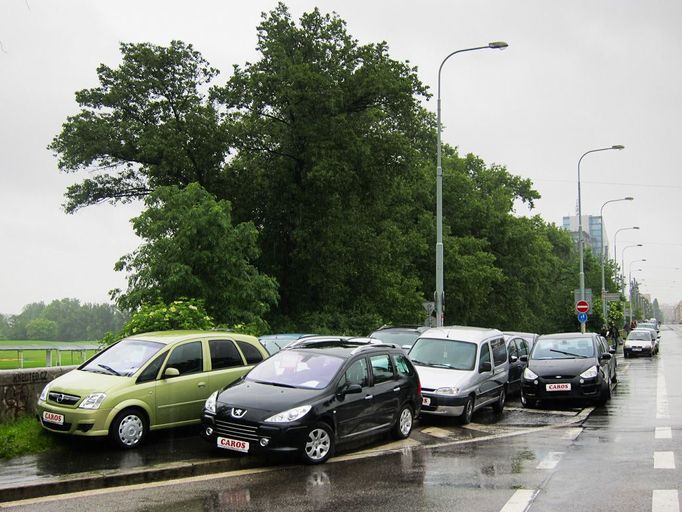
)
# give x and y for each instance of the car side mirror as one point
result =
(523, 359)
(350, 389)
(612, 350)
(606, 356)
(171, 372)
(485, 367)
(513, 359)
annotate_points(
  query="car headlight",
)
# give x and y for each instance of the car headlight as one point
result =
(44, 392)
(453, 390)
(529, 374)
(590, 373)
(291, 415)
(93, 401)
(209, 406)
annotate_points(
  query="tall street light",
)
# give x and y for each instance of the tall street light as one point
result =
(580, 225)
(440, 294)
(615, 238)
(622, 261)
(603, 256)
(630, 282)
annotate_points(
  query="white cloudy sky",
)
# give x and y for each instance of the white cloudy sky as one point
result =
(577, 75)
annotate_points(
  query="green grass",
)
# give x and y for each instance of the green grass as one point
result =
(22, 437)
(9, 360)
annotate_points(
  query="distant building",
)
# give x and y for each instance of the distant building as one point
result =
(677, 313)
(592, 232)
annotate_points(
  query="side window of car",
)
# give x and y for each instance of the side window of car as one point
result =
(499, 348)
(187, 358)
(250, 352)
(523, 347)
(152, 370)
(382, 368)
(513, 349)
(484, 357)
(224, 354)
(356, 374)
(403, 366)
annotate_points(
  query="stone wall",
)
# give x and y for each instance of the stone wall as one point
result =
(20, 389)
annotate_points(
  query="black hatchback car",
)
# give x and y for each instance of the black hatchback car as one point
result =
(309, 398)
(568, 366)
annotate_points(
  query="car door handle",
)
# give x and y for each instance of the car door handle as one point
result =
(396, 389)
(369, 397)
(201, 385)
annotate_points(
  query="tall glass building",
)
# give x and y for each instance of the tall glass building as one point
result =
(592, 232)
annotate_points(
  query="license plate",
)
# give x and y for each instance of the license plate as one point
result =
(559, 387)
(53, 417)
(233, 444)
(426, 400)
(636, 349)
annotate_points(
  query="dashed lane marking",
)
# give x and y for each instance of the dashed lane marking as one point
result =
(664, 460)
(664, 433)
(550, 461)
(572, 434)
(440, 433)
(519, 501)
(665, 501)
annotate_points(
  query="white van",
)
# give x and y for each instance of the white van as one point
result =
(461, 369)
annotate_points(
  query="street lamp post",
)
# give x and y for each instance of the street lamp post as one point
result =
(622, 260)
(440, 293)
(615, 237)
(580, 226)
(603, 256)
(630, 282)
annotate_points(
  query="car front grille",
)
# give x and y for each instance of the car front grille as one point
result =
(53, 426)
(238, 431)
(63, 398)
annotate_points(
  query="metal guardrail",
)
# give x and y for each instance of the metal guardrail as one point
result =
(50, 351)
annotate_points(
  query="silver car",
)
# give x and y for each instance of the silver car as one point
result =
(461, 369)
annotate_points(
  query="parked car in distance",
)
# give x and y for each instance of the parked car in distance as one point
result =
(461, 370)
(313, 396)
(146, 382)
(569, 366)
(273, 343)
(404, 337)
(516, 347)
(640, 341)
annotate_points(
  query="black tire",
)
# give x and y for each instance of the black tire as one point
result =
(625, 355)
(465, 417)
(403, 425)
(528, 403)
(605, 394)
(614, 379)
(129, 428)
(498, 406)
(319, 444)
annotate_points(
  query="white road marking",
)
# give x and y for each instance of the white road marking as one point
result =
(662, 406)
(665, 501)
(550, 461)
(571, 434)
(664, 433)
(519, 501)
(437, 432)
(664, 460)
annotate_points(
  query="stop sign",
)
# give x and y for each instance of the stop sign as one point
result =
(582, 306)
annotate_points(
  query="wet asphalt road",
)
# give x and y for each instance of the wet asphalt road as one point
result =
(624, 457)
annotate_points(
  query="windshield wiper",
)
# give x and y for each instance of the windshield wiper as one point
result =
(109, 369)
(280, 384)
(415, 361)
(568, 353)
(443, 365)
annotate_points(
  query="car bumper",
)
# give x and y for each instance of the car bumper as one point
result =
(634, 350)
(79, 422)
(443, 405)
(587, 389)
(261, 438)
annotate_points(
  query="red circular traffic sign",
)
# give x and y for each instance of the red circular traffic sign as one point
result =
(582, 306)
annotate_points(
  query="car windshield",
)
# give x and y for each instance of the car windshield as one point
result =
(297, 369)
(397, 337)
(438, 353)
(563, 348)
(639, 335)
(124, 358)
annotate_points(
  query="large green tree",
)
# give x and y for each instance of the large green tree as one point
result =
(148, 124)
(330, 137)
(191, 249)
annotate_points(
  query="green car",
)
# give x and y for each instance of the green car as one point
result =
(146, 382)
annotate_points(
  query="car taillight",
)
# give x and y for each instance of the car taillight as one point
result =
(419, 387)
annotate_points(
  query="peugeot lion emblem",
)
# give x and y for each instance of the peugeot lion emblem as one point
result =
(238, 413)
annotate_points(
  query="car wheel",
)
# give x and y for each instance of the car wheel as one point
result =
(319, 444)
(129, 428)
(605, 395)
(403, 425)
(498, 406)
(625, 355)
(465, 417)
(528, 402)
(614, 379)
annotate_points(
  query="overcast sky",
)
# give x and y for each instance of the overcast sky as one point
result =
(577, 75)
